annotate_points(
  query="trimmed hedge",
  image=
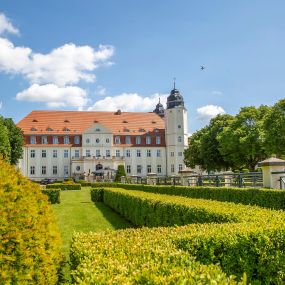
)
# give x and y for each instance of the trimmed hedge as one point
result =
(53, 195)
(267, 198)
(253, 242)
(97, 194)
(142, 256)
(30, 246)
(62, 186)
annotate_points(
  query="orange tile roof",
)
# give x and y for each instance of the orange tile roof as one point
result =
(78, 121)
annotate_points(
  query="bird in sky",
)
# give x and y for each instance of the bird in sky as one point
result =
(202, 67)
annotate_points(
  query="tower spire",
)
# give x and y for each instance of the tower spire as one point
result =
(174, 79)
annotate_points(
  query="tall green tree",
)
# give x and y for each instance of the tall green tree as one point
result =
(241, 143)
(120, 172)
(5, 148)
(213, 159)
(16, 140)
(203, 147)
(193, 155)
(274, 129)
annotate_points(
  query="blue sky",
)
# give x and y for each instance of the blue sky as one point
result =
(104, 55)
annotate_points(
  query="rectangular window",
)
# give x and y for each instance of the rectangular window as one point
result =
(65, 170)
(180, 167)
(138, 153)
(33, 140)
(66, 139)
(128, 139)
(179, 139)
(98, 153)
(157, 140)
(148, 140)
(148, 153)
(65, 153)
(54, 170)
(54, 153)
(158, 152)
(44, 139)
(32, 170)
(76, 153)
(172, 167)
(139, 169)
(55, 139)
(76, 140)
(118, 153)
(88, 153)
(108, 154)
(33, 153)
(180, 153)
(128, 153)
(138, 140)
(44, 170)
(128, 169)
(172, 153)
(117, 140)
(149, 169)
(44, 153)
(158, 168)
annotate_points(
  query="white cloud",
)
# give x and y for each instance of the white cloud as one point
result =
(216, 92)
(65, 65)
(54, 96)
(6, 26)
(129, 102)
(209, 111)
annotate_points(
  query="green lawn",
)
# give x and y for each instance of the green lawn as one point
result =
(77, 213)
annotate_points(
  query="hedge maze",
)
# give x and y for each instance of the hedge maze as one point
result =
(182, 240)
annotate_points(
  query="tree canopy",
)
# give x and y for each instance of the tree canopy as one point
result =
(235, 142)
(11, 141)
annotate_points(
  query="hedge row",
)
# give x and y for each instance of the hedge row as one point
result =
(267, 198)
(142, 256)
(53, 195)
(253, 241)
(63, 186)
(97, 194)
(30, 246)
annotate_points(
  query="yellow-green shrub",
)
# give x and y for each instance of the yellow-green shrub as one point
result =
(62, 186)
(252, 243)
(29, 238)
(267, 198)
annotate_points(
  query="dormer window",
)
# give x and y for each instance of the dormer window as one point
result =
(35, 120)
(138, 140)
(117, 140)
(65, 129)
(33, 140)
(148, 140)
(141, 130)
(66, 121)
(97, 130)
(76, 140)
(125, 122)
(33, 129)
(44, 140)
(49, 129)
(66, 139)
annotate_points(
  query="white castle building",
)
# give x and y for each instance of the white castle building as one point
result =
(61, 144)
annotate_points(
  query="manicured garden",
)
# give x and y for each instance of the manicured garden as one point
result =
(134, 234)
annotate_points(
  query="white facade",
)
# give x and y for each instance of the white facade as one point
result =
(99, 150)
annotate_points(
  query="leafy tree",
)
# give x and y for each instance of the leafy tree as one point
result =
(193, 155)
(120, 172)
(204, 147)
(16, 140)
(5, 148)
(213, 159)
(241, 142)
(274, 129)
